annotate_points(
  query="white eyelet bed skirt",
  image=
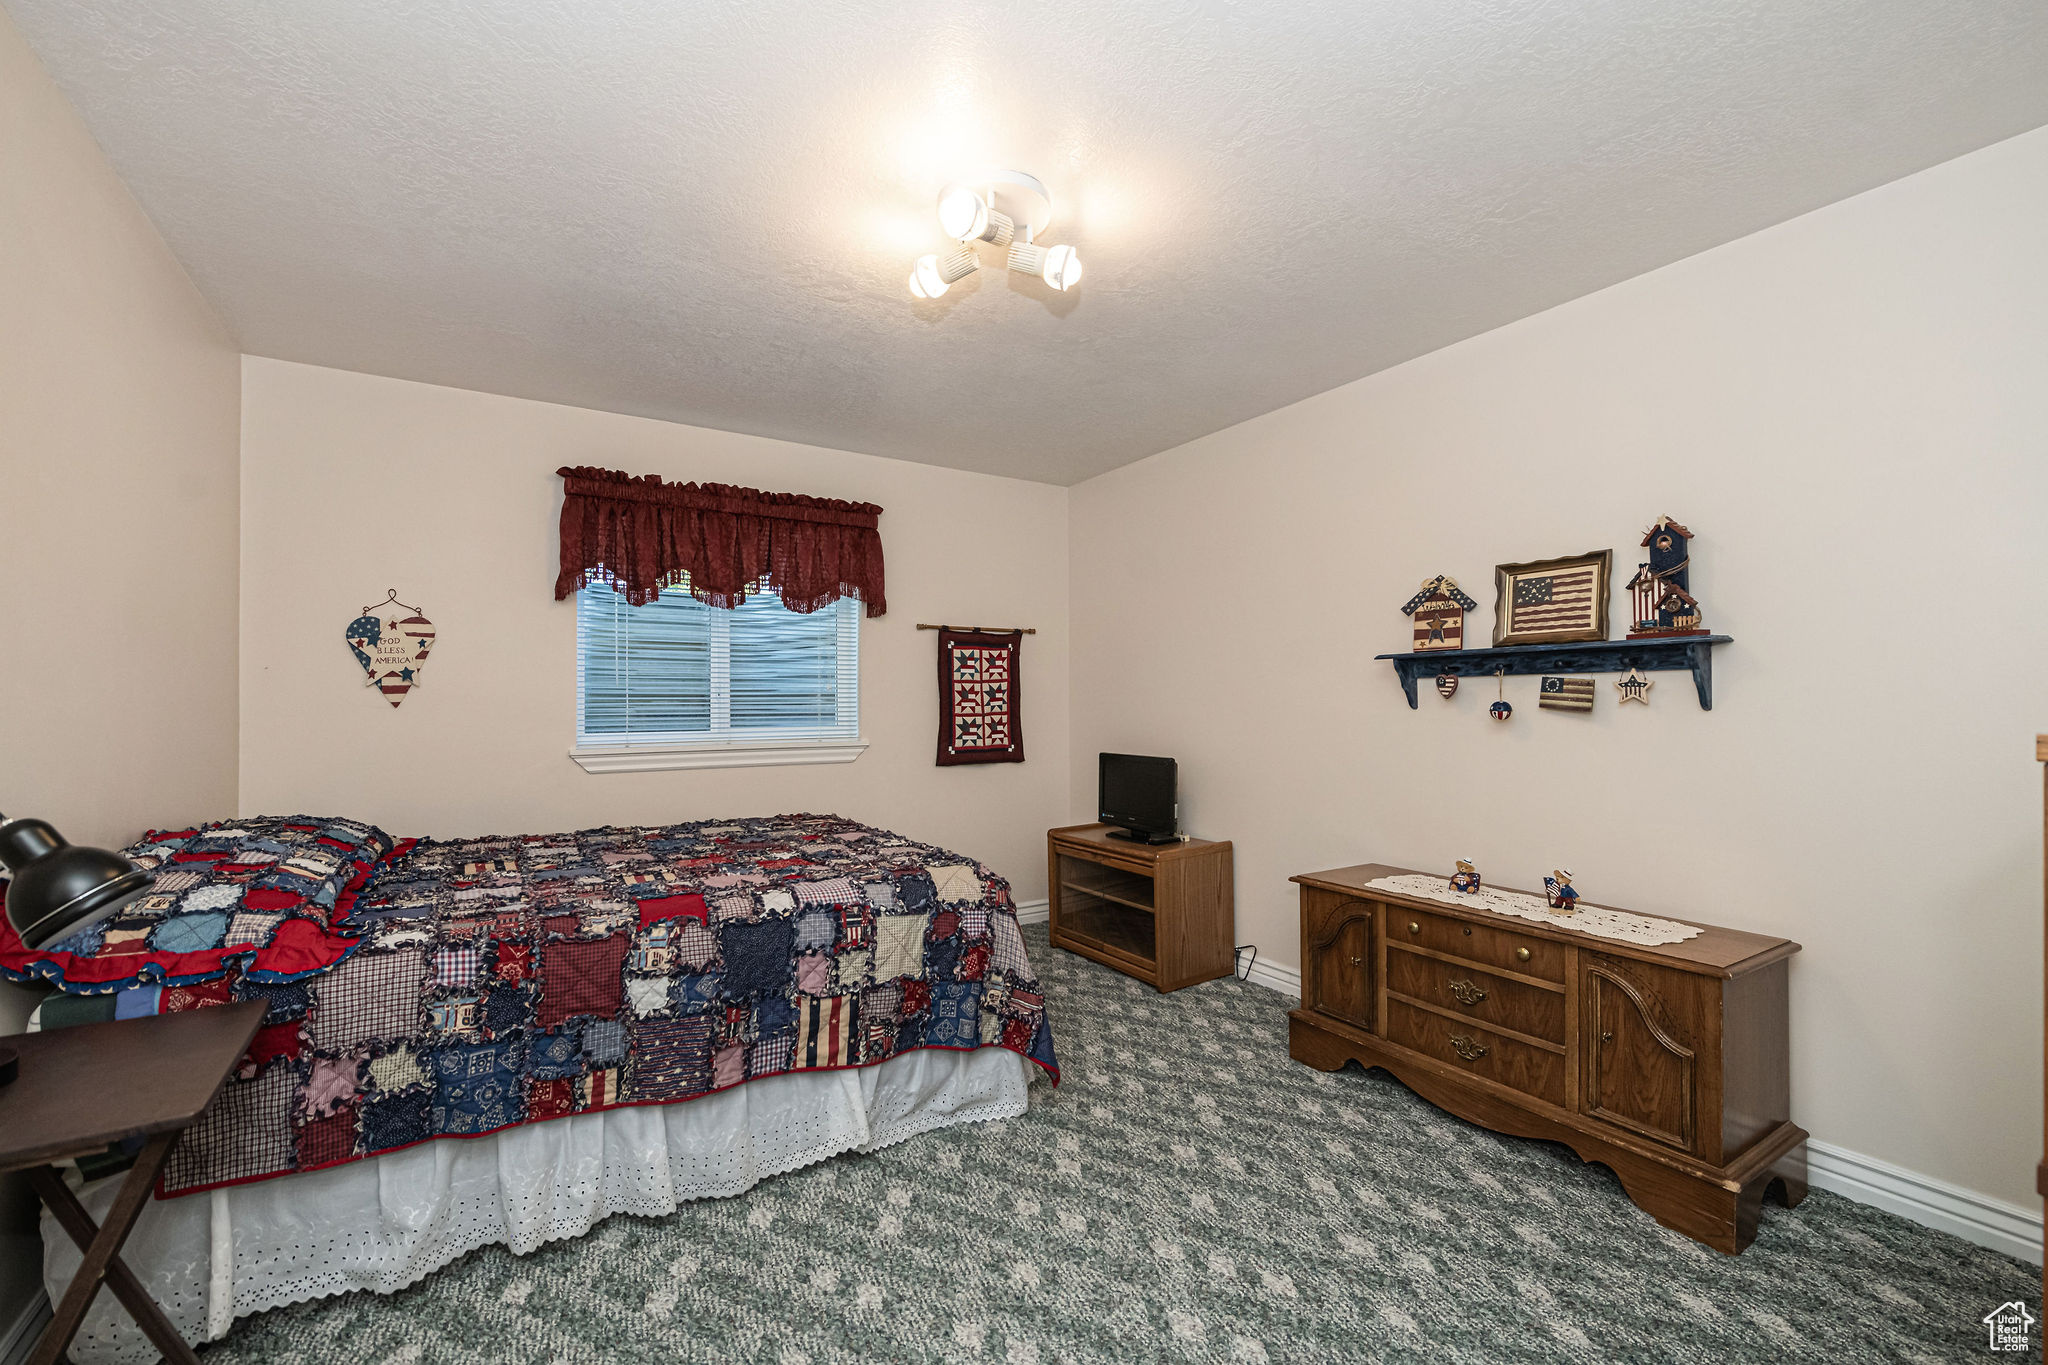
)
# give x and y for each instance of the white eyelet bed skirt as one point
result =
(385, 1222)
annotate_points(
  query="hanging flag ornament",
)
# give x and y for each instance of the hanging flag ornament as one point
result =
(392, 648)
(1565, 694)
(1500, 710)
(1447, 685)
(1634, 687)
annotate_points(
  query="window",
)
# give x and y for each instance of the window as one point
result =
(677, 684)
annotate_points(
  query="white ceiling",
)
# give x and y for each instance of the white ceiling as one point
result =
(704, 210)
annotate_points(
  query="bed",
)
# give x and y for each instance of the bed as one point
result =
(507, 1040)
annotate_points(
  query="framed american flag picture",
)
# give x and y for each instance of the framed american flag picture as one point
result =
(1551, 601)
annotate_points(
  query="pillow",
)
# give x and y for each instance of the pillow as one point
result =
(268, 894)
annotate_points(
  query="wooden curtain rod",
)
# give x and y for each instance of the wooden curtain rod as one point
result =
(984, 630)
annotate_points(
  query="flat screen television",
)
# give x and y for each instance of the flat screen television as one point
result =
(1137, 795)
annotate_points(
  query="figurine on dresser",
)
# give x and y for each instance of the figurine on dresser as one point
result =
(1466, 878)
(1563, 899)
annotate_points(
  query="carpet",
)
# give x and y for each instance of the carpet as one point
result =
(1189, 1194)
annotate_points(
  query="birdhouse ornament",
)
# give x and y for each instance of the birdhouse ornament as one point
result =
(1439, 613)
(1660, 593)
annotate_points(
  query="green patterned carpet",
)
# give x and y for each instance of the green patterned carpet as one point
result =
(1189, 1194)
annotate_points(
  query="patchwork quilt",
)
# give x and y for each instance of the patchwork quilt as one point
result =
(267, 896)
(509, 980)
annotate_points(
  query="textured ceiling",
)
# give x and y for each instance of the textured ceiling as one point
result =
(705, 211)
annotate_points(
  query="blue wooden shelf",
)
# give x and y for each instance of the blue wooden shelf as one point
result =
(1693, 653)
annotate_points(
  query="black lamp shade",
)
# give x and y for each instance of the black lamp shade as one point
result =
(59, 888)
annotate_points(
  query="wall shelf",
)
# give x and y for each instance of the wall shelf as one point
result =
(1692, 653)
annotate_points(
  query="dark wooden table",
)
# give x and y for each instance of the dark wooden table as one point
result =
(85, 1087)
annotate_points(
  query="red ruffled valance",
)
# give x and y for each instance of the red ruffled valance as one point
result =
(643, 535)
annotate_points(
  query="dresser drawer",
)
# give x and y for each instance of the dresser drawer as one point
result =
(1480, 944)
(1534, 1071)
(1482, 996)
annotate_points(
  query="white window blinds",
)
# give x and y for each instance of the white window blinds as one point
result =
(676, 672)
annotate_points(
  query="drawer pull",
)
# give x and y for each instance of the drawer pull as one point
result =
(1358, 962)
(1468, 1048)
(1521, 954)
(1465, 993)
(1468, 931)
(1606, 1037)
(1414, 926)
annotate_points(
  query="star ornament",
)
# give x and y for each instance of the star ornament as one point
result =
(1633, 686)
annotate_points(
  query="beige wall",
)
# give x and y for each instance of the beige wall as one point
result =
(1850, 410)
(118, 432)
(353, 484)
(118, 417)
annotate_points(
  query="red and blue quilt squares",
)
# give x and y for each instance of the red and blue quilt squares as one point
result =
(477, 1088)
(477, 996)
(757, 957)
(389, 1122)
(556, 1054)
(246, 1132)
(581, 977)
(825, 1032)
(955, 1016)
(550, 1099)
(671, 1058)
(456, 966)
(327, 1140)
(264, 896)
(371, 996)
(604, 1043)
(770, 1056)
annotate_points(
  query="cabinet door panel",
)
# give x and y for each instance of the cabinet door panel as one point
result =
(1340, 956)
(1639, 1073)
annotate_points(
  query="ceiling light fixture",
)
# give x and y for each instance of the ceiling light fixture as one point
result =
(1005, 209)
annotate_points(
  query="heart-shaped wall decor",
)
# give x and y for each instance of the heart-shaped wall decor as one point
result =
(392, 650)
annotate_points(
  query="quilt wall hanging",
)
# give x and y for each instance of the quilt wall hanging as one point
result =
(981, 696)
(391, 648)
(642, 535)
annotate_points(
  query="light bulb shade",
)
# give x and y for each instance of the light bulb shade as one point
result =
(967, 216)
(963, 213)
(934, 275)
(1062, 269)
(59, 888)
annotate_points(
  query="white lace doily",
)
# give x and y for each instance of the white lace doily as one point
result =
(1590, 919)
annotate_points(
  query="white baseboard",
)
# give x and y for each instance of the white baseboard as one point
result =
(1033, 912)
(2010, 1228)
(1274, 976)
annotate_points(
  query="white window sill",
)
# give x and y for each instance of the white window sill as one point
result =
(647, 758)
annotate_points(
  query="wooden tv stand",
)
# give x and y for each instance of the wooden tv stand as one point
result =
(1668, 1064)
(1159, 912)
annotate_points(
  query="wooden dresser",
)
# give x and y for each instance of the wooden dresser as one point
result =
(1159, 912)
(1667, 1064)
